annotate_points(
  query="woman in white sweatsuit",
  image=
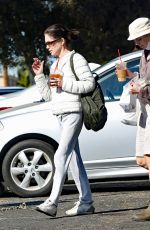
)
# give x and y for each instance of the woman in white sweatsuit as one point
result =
(65, 97)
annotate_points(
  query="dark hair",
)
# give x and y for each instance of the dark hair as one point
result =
(60, 31)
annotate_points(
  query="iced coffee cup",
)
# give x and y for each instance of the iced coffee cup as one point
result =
(121, 71)
(56, 74)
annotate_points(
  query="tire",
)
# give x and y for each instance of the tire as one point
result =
(28, 168)
(2, 189)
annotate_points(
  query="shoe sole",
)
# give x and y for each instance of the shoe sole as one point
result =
(85, 213)
(46, 213)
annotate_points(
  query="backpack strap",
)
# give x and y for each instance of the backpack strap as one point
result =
(72, 67)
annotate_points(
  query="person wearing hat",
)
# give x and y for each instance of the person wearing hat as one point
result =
(139, 32)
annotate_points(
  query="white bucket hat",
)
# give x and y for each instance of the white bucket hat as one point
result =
(138, 28)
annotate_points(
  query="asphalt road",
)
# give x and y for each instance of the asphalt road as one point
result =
(115, 204)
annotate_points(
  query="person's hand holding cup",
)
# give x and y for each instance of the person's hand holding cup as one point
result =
(121, 71)
(136, 85)
(56, 78)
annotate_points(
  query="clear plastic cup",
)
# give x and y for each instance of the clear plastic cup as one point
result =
(56, 74)
(121, 71)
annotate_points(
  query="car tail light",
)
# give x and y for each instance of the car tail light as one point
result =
(2, 108)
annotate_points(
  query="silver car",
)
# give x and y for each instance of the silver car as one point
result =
(29, 137)
(21, 97)
(9, 89)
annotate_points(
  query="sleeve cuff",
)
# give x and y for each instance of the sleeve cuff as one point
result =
(37, 77)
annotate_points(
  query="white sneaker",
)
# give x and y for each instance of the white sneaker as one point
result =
(46, 202)
(80, 209)
(47, 208)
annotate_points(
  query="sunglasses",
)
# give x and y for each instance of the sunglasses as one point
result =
(52, 42)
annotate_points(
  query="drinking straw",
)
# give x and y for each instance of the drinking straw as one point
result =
(119, 55)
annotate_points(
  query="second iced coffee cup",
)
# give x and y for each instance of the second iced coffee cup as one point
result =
(121, 71)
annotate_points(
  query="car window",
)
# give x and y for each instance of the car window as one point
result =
(112, 89)
(8, 90)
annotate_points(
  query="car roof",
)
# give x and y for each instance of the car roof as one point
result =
(93, 66)
(10, 89)
(17, 93)
(113, 62)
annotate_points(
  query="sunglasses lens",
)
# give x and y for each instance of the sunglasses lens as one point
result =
(51, 43)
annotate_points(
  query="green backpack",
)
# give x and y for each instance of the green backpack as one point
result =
(93, 105)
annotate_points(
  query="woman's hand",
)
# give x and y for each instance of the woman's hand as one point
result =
(37, 66)
(56, 82)
(134, 88)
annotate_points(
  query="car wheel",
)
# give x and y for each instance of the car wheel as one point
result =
(28, 168)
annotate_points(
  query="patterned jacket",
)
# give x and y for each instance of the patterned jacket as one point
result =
(145, 72)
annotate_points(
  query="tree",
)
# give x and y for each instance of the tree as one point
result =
(21, 32)
(103, 25)
(7, 52)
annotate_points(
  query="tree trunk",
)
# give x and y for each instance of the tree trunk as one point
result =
(5, 75)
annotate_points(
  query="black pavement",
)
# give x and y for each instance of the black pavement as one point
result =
(115, 207)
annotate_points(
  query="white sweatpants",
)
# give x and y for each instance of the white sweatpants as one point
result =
(68, 154)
